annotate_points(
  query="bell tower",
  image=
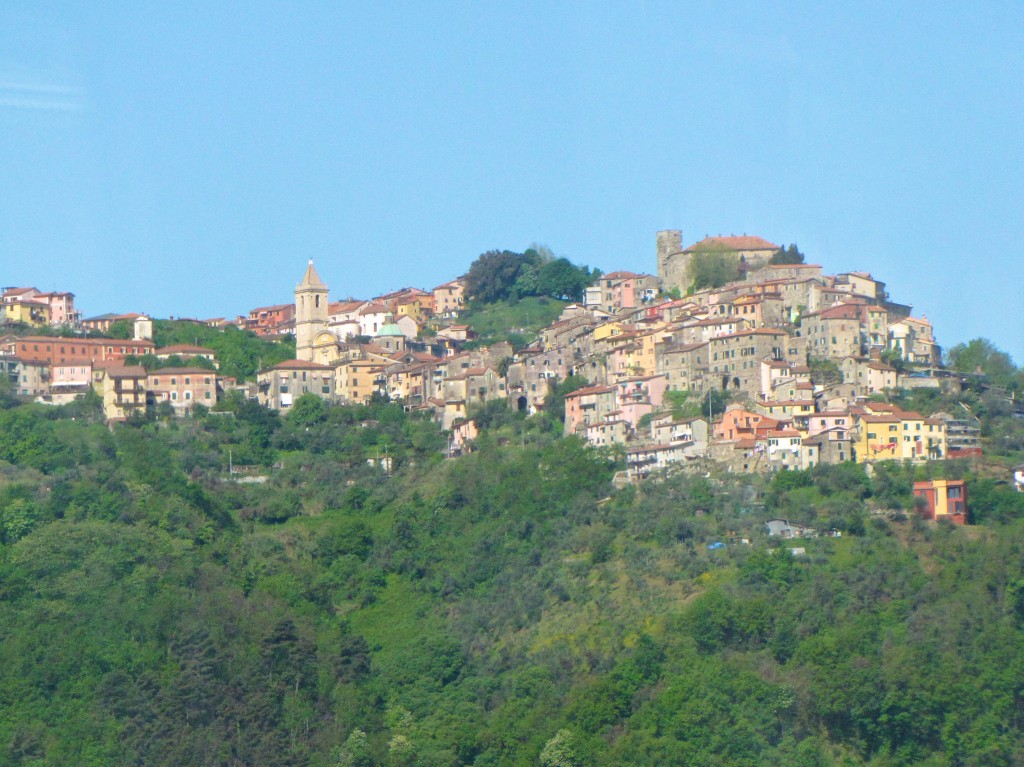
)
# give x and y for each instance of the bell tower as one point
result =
(310, 312)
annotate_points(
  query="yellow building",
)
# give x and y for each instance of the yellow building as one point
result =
(33, 313)
(415, 307)
(900, 436)
(123, 389)
(607, 330)
(356, 381)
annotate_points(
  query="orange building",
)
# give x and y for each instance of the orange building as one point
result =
(942, 499)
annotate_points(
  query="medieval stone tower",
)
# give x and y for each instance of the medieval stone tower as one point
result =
(310, 312)
(673, 263)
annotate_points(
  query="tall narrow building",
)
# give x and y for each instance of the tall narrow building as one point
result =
(310, 312)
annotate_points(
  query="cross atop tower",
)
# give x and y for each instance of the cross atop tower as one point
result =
(310, 312)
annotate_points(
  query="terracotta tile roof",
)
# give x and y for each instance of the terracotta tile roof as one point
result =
(840, 312)
(181, 371)
(621, 275)
(274, 308)
(590, 390)
(184, 349)
(299, 365)
(126, 371)
(343, 307)
(753, 332)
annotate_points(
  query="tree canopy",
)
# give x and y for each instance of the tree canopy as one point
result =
(712, 269)
(790, 255)
(502, 275)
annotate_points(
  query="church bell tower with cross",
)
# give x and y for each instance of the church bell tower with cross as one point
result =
(310, 312)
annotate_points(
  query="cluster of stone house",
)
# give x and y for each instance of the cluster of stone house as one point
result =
(58, 369)
(801, 350)
(411, 309)
(800, 353)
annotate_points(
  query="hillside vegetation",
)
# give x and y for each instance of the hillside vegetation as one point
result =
(505, 608)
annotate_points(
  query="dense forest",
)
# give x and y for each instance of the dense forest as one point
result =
(328, 589)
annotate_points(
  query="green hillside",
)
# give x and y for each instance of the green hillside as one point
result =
(505, 608)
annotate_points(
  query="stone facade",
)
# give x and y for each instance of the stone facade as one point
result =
(311, 314)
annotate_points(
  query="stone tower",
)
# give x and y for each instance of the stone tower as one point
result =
(672, 262)
(310, 312)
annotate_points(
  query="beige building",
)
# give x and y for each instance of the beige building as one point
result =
(736, 358)
(357, 380)
(685, 366)
(749, 253)
(834, 333)
(123, 389)
(280, 386)
(449, 299)
(311, 312)
(29, 378)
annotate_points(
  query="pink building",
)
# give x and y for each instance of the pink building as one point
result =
(589, 405)
(62, 308)
(183, 387)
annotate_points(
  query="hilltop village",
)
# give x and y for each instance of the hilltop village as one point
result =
(782, 366)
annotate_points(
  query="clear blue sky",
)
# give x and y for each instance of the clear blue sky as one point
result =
(187, 158)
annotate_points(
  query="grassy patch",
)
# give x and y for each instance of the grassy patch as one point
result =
(515, 321)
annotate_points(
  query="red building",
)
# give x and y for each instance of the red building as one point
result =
(56, 350)
(271, 320)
